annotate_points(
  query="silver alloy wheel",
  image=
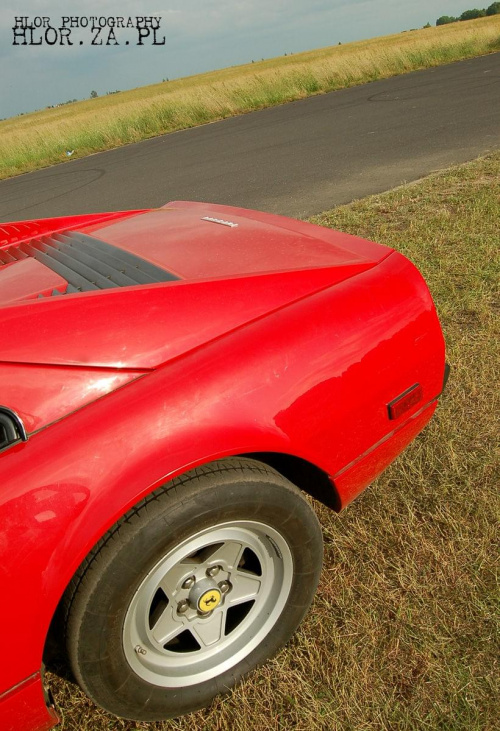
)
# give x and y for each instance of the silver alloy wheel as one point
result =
(207, 603)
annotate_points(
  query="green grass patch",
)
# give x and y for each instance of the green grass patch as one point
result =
(40, 139)
(403, 633)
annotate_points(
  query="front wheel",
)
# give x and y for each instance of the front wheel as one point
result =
(199, 583)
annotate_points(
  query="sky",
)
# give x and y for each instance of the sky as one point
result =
(199, 35)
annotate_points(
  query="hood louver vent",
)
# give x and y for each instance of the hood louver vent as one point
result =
(12, 232)
(87, 263)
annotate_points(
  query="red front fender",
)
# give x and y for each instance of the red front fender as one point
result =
(312, 380)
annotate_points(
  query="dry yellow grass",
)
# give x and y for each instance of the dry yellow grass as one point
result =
(404, 632)
(41, 138)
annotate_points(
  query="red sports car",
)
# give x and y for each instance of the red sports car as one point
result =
(172, 382)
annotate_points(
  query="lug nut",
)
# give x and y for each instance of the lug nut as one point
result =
(182, 607)
(213, 570)
(224, 586)
(188, 583)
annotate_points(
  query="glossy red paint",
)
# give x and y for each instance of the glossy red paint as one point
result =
(43, 394)
(141, 384)
(19, 231)
(200, 246)
(26, 279)
(353, 479)
(23, 708)
(143, 327)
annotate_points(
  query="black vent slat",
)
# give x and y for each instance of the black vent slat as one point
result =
(72, 277)
(131, 263)
(91, 263)
(91, 275)
(86, 263)
(6, 258)
(112, 263)
(140, 276)
(14, 253)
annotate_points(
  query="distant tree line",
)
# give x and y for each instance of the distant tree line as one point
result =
(94, 94)
(493, 9)
(53, 106)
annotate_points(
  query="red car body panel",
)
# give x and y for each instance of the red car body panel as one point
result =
(23, 708)
(296, 350)
(146, 326)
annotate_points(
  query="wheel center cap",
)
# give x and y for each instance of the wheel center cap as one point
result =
(205, 596)
(209, 600)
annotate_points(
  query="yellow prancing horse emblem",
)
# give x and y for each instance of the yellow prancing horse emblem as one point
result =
(209, 600)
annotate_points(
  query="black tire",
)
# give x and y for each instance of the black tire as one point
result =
(236, 510)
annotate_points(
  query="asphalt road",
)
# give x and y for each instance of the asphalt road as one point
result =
(297, 159)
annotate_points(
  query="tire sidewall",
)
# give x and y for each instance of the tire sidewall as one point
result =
(98, 615)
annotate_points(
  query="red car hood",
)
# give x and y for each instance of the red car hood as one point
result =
(223, 267)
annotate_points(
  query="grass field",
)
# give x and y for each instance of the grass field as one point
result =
(41, 138)
(403, 633)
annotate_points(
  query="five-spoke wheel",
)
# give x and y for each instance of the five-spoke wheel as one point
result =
(198, 584)
(207, 603)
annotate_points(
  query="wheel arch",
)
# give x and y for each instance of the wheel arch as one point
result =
(231, 500)
(305, 475)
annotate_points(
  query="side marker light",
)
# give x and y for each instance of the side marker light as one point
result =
(405, 401)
